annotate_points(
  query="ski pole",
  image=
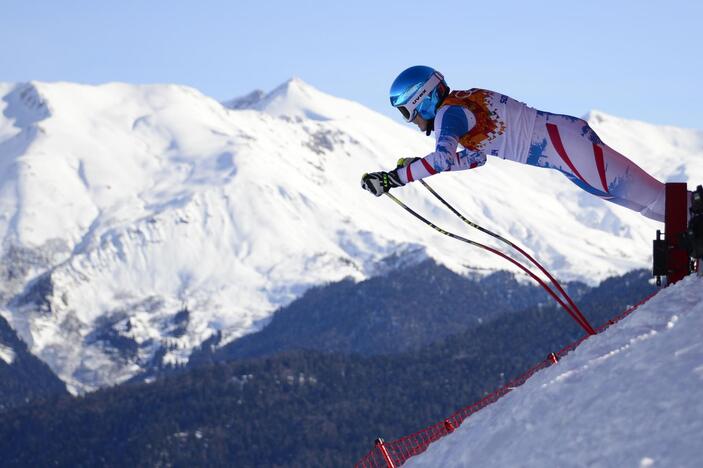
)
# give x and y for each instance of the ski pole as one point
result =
(584, 324)
(576, 310)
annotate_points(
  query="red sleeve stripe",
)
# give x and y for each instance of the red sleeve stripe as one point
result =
(428, 167)
(553, 131)
(409, 173)
(600, 164)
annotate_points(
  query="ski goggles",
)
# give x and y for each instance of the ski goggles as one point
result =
(409, 109)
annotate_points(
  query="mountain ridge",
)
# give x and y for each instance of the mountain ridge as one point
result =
(121, 203)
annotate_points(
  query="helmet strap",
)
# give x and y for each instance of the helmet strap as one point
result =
(430, 127)
(445, 90)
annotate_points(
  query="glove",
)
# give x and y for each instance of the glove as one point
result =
(404, 162)
(379, 183)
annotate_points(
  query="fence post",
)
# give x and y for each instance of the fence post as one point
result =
(381, 446)
(553, 358)
(675, 216)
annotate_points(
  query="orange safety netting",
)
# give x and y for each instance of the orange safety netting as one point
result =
(393, 454)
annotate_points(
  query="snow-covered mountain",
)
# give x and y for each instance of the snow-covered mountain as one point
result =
(632, 396)
(137, 221)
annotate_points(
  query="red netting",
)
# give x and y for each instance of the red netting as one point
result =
(401, 449)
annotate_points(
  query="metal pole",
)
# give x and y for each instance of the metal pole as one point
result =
(384, 451)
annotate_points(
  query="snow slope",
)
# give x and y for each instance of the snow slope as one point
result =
(137, 221)
(631, 397)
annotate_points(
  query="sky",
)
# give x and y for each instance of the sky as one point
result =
(634, 59)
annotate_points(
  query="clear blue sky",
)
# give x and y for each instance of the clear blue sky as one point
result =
(635, 59)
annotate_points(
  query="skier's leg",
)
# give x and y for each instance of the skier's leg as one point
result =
(569, 145)
(629, 183)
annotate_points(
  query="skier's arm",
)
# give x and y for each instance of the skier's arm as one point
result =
(451, 122)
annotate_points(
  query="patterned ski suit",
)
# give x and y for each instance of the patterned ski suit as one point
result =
(488, 123)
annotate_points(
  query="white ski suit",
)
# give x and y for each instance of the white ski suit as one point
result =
(488, 123)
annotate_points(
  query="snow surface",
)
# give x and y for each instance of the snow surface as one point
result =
(7, 354)
(631, 397)
(121, 204)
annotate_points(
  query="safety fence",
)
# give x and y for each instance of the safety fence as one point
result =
(393, 454)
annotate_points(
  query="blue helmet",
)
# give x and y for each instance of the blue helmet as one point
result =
(418, 90)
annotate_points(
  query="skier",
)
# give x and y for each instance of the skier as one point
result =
(489, 123)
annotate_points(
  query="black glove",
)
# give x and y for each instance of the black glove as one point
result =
(379, 183)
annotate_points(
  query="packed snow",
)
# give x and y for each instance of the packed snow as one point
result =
(630, 397)
(121, 206)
